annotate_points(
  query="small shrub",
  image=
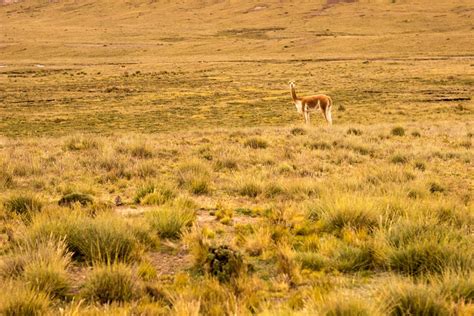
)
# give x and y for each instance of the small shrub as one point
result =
(169, 223)
(398, 131)
(256, 143)
(354, 131)
(23, 204)
(415, 134)
(20, 300)
(341, 108)
(399, 159)
(224, 263)
(410, 299)
(298, 131)
(111, 283)
(75, 197)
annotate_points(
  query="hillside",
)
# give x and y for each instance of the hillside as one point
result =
(153, 31)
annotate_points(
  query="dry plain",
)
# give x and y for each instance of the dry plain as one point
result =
(152, 162)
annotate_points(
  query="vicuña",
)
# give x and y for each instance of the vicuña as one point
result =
(314, 102)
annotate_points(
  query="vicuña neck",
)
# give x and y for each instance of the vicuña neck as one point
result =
(293, 94)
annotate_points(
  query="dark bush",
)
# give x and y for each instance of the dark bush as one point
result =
(71, 198)
(224, 263)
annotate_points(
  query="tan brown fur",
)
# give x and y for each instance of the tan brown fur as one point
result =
(305, 104)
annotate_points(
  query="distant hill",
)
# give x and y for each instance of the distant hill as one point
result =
(147, 30)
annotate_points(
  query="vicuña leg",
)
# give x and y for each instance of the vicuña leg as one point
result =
(308, 120)
(329, 115)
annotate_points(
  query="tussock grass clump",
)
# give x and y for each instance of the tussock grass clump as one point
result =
(146, 170)
(170, 222)
(70, 199)
(141, 151)
(256, 143)
(411, 299)
(354, 131)
(459, 287)
(274, 189)
(250, 187)
(399, 159)
(425, 257)
(195, 176)
(298, 131)
(146, 271)
(106, 238)
(321, 145)
(45, 268)
(288, 264)
(415, 134)
(335, 306)
(312, 260)
(258, 242)
(6, 179)
(364, 257)
(23, 204)
(427, 247)
(151, 194)
(38, 257)
(110, 283)
(398, 131)
(18, 299)
(435, 187)
(76, 143)
(345, 212)
(420, 165)
(226, 164)
(391, 173)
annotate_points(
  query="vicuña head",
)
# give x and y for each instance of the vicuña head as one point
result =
(305, 104)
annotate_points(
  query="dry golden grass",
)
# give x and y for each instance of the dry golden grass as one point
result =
(162, 156)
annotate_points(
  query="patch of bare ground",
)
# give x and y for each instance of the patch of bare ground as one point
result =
(168, 264)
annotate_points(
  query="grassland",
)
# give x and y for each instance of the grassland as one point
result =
(152, 163)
